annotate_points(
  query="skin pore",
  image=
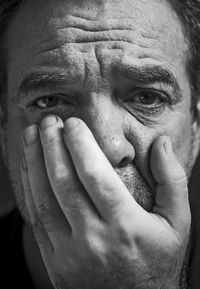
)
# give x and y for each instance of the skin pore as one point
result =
(118, 66)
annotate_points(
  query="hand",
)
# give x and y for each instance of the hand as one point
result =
(90, 230)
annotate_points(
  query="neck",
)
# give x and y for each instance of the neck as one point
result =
(34, 260)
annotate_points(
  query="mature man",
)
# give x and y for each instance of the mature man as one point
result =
(100, 131)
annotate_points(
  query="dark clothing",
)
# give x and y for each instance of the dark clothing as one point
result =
(13, 271)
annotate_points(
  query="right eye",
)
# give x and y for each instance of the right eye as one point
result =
(50, 101)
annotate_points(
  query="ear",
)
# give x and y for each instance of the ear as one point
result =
(196, 132)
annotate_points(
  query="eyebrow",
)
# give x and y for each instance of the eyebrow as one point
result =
(46, 80)
(152, 74)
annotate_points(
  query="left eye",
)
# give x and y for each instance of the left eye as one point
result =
(147, 98)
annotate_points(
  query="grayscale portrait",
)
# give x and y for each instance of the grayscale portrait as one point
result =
(99, 138)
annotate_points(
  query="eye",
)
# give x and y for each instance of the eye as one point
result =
(147, 102)
(49, 101)
(147, 98)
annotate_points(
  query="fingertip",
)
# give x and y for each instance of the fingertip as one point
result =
(76, 131)
(71, 124)
(50, 130)
(29, 135)
(49, 121)
(164, 163)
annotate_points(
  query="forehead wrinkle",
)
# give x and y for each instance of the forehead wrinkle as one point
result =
(126, 35)
(73, 29)
(78, 36)
(73, 56)
(96, 26)
(147, 35)
(56, 37)
(96, 59)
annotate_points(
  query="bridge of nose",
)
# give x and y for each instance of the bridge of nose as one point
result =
(106, 120)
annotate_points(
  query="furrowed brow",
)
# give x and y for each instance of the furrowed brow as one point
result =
(40, 81)
(152, 74)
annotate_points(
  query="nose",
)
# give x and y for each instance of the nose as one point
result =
(108, 125)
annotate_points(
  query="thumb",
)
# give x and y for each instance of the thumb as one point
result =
(171, 201)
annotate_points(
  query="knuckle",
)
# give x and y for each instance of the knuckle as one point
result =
(96, 245)
(92, 175)
(60, 178)
(65, 186)
(50, 137)
(27, 189)
(32, 162)
(179, 182)
(125, 234)
(45, 216)
(71, 198)
(176, 177)
(77, 204)
(178, 174)
(37, 232)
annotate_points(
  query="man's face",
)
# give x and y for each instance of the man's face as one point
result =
(117, 65)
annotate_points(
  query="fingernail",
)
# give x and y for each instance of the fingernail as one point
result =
(30, 135)
(48, 121)
(168, 147)
(24, 164)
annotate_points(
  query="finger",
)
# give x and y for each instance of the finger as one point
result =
(39, 233)
(48, 210)
(67, 187)
(104, 186)
(171, 191)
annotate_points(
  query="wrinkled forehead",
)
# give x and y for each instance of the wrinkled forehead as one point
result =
(87, 37)
(44, 20)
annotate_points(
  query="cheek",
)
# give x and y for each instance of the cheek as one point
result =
(182, 139)
(15, 128)
(176, 125)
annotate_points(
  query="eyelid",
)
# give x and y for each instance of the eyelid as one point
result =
(161, 94)
(147, 111)
(62, 96)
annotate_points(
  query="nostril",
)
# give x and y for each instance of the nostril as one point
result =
(124, 162)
